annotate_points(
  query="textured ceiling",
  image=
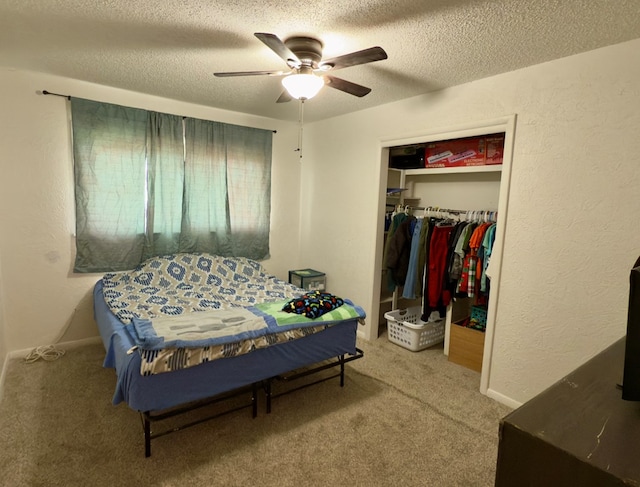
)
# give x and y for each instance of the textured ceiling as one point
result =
(171, 48)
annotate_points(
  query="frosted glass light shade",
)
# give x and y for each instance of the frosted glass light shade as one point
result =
(303, 86)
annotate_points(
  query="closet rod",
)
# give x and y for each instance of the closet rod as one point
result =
(477, 214)
(434, 208)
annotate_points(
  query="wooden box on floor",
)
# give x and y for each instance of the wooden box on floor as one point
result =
(466, 347)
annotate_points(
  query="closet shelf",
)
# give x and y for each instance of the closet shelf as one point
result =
(454, 170)
(404, 201)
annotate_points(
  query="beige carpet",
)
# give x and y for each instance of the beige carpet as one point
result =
(403, 419)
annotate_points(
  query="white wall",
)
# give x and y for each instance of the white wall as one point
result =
(571, 229)
(41, 296)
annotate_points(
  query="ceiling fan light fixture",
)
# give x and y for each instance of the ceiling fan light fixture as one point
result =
(303, 86)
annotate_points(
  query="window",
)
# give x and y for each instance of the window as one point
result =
(151, 183)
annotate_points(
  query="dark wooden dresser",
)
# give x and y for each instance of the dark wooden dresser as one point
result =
(579, 432)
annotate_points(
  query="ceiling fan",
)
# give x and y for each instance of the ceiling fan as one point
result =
(308, 72)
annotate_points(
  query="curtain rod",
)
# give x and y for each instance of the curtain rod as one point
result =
(45, 92)
(68, 97)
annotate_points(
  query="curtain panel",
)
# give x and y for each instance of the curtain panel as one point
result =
(149, 183)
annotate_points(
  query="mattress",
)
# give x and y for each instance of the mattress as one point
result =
(166, 390)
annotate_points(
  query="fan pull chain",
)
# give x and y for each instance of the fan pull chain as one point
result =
(301, 122)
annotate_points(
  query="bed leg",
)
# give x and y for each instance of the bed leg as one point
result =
(147, 435)
(254, 400)
(267, 390)
(341, 370)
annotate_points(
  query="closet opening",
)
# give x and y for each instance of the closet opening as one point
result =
(445, 187)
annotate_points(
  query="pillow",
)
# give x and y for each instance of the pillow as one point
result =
(313, 304)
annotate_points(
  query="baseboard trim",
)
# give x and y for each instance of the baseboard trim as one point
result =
(501, 398)
(63, 346)
(2, 375)
(79, 343)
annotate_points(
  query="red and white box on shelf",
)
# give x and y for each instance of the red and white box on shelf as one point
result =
(494, 149)
(468, 151)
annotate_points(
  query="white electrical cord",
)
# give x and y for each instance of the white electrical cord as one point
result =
(49, 352)
(45, 352)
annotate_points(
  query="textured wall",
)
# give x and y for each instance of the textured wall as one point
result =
(42, 298)
(571, 230)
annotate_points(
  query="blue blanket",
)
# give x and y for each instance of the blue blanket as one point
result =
(230, 325)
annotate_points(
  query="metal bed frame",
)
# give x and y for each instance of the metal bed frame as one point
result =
(150, 417)
(300, 373)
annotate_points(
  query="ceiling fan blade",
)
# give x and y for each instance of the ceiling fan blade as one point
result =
(251, 73)
(284, 97)
(276, 45)
(353, 59)
(346, 86)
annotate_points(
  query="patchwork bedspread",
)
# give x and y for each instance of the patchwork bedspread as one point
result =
(185, 309)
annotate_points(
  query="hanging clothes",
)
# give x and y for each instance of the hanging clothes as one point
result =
(437, 297)
(487, 245)
(454, 258)
(472, 262)
(398, 253)
(451, 280)
(396, 219)
(422, 255)
(439, 258)
(461, 247)
(409, 290)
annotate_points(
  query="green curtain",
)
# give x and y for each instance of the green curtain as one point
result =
(248, 151)
(206, 220)
(228, 189)
(150, 184)
(165, 184)
(109, 150)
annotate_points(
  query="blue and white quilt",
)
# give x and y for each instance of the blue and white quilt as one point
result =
(185, 309)
(178, 284)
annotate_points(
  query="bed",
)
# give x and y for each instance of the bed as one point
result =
(187, 330)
